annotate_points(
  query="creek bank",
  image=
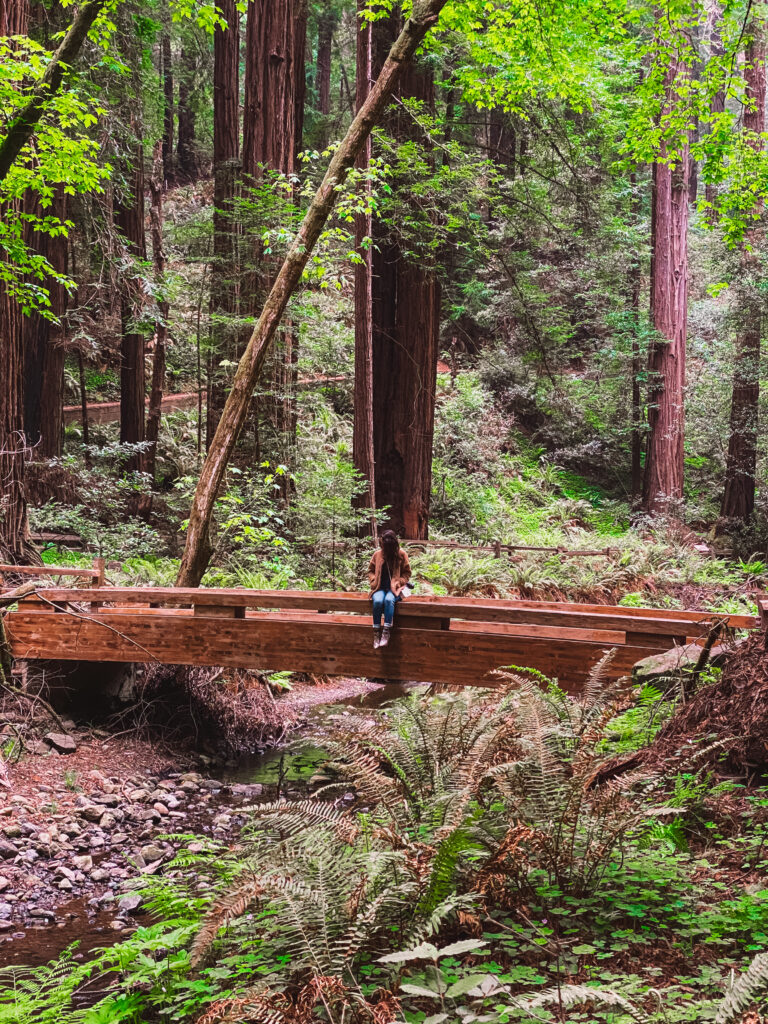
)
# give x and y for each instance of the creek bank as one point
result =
(76, 828)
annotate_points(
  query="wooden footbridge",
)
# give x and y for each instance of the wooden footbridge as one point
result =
(436, 639)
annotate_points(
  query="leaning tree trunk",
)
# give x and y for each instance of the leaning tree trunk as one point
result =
(226, 168)
(741, 463)
(129, 218)
(197, 551)
(663, 483)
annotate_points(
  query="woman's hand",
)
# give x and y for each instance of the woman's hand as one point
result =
(396, 588)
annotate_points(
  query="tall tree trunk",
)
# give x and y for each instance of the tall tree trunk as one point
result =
(161, 328)
(15, 545)
(741, 463)
(363, 453)
(186, 145)
(326, 25)
(272, 133)
(226, 169)
(664, 468)
(129, 218)
(405, 347)
(167, 71)
(713, 44)
(44, 343)
(197, 550)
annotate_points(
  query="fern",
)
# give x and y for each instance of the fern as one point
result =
(743, 990)
(43, 995)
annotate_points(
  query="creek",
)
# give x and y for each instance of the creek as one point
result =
(285, 771)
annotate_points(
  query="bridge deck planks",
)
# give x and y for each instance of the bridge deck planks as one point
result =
(455, 640)
(333, 648)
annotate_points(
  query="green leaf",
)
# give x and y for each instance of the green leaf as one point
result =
(425, 950)
(464, 985)
(465, 946)
(418, 990)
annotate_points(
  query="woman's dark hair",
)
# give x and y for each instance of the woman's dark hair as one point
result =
(390, 545)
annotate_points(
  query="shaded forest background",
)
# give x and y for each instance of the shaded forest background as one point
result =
(534, 318)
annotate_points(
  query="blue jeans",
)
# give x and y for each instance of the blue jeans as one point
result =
(384, 601)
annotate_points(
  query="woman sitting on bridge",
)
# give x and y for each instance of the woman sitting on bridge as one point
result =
(388, 573)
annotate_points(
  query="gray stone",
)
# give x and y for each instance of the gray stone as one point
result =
(92, 812)
(672, 664)
(41, 912)
(83, 863)
(7, 850)
(106, 799)
(5, 926)
(12, 831)
(152, 852)
(4, 883)
(65, 885)
(5, 910)
(107, 821)
(61, 741)
(99, 875)
(130, 904)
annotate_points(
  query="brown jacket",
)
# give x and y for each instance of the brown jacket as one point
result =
(400, 573)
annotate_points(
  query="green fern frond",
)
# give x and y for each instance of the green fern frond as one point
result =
(743, 990)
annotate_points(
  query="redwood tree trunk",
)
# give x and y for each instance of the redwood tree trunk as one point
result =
(405, 347)
(15, 544)
(167, 70)
(325, 29)
(741, 463)
(44, 347)
(663, 483)
(273, 120)
(226, 168)
(363, 452)
(161, 329)
(186, 146)
(129, 218)
(197, 550)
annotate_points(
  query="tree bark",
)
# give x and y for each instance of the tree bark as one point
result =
(664, 468)
(22, 128)
(326, 25)
(186, 145)
(198, 549)
(15, 544)
(363, 453)
(44, 346)
(274, 73)
(272, 134)
(405, 347)
(741, 463)
(167, 69)
(129, 218)
(226, 170)
(161, 329)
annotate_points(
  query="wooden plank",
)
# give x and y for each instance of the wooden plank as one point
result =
(50, 570)
(331, 648)
(612, 637)
(641, 620)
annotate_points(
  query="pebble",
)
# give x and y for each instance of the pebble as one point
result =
(83, 863)
(4, 883)
(5, 910)
(7, 850)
